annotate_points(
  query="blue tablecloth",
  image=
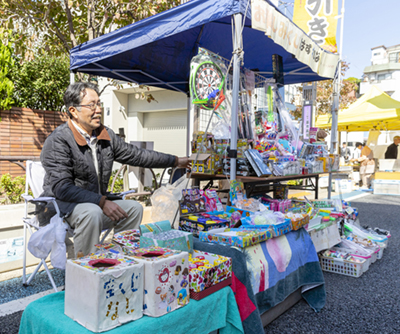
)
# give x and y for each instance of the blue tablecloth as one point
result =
(217, 311)
(265, 274)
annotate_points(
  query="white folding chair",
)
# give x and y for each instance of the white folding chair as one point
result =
(35, 174)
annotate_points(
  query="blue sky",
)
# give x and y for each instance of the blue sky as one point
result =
(367, 24)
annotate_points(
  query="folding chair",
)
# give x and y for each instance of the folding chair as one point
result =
(35, 174)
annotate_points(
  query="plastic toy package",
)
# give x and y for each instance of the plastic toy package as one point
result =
(208, 83)
(128, 239)
(343, 255)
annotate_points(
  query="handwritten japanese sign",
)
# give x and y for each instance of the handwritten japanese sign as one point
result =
(317, 19)
(282, 31)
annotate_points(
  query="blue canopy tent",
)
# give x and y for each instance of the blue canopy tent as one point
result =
(157, 51)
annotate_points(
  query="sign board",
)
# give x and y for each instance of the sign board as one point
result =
(284, 32)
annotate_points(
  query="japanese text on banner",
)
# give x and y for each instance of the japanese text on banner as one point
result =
(317, 19)
(282, 31)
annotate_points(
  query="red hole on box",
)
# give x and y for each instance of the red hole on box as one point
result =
(103, 263)
(152, 254)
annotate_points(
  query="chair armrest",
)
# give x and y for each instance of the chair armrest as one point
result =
(124, 193)
(29, 198)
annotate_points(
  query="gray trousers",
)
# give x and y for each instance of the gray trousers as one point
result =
(88, 220)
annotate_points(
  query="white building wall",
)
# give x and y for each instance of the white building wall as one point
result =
(379, 56)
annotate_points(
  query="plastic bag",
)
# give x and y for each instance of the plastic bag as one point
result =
(58, 255)
(221, 130)
(41, 241)
(50, 238)
(165, 202)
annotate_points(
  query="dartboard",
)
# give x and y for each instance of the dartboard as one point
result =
(207, 78)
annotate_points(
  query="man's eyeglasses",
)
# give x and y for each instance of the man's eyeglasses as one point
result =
(92, 106)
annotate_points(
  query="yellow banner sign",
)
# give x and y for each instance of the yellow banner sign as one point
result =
(282, 31)
(317, 19)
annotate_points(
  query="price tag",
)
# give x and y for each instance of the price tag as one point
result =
(349, 210)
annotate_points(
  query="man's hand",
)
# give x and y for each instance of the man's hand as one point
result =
(183, 163)
(114, 211)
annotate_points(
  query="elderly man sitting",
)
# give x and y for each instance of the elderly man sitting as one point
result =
(78, 158)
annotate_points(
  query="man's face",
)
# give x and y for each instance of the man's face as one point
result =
(397, 141)
(87, 118)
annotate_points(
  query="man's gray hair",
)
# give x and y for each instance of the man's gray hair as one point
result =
(75, 93)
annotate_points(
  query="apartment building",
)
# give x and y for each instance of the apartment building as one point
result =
(384, 71)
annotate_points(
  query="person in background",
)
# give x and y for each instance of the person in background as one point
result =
(345, 152)
(367, 167)
(391, 151)
(357, 152)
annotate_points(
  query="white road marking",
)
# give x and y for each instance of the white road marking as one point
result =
(21, 304)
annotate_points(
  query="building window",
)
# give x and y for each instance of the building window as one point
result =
(377, 54)
(394, 57)
(385, 76)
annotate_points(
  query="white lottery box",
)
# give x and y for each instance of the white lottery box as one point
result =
(103, 291)
(166, 286)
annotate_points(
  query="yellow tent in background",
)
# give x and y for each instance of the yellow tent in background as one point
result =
(375, 109)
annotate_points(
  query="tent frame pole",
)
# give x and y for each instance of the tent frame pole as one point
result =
(336, 97)
(237, 48)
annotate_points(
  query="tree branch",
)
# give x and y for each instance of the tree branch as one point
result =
(70, 24)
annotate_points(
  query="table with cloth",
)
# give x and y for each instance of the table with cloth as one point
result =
(266, 273)
(217, 311)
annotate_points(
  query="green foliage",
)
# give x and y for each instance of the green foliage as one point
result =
(6, 65)
(12, 189)
(354, 81)
(41, 83)
(119, 182)
(54, 27)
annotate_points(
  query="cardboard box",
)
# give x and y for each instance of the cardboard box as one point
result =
(235, 237)
(389, 165)
(204, 144)
(222, 144)
(298, 223)
(103, 291)
(387, 175)
(198, 222)
(193, 208)
(205, 163)
(166, 281)
(386, 187)
(128, 240)
(344, 186)
(216, 269)
(276, 229)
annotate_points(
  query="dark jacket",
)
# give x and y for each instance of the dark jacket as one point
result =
(70, 172)
(391, 152)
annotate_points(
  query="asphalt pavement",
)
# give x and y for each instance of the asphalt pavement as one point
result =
(363, 305)
(368, 304)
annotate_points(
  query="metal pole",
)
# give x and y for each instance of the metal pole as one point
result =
(235, 91)
(188, 123)
(336, 96)
(71, 78)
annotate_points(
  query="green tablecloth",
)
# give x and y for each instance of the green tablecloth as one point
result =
(217, 311)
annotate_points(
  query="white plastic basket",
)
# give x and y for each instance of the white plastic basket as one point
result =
(367, 258)
(380, 253)
(343, 267)
(374, 256)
